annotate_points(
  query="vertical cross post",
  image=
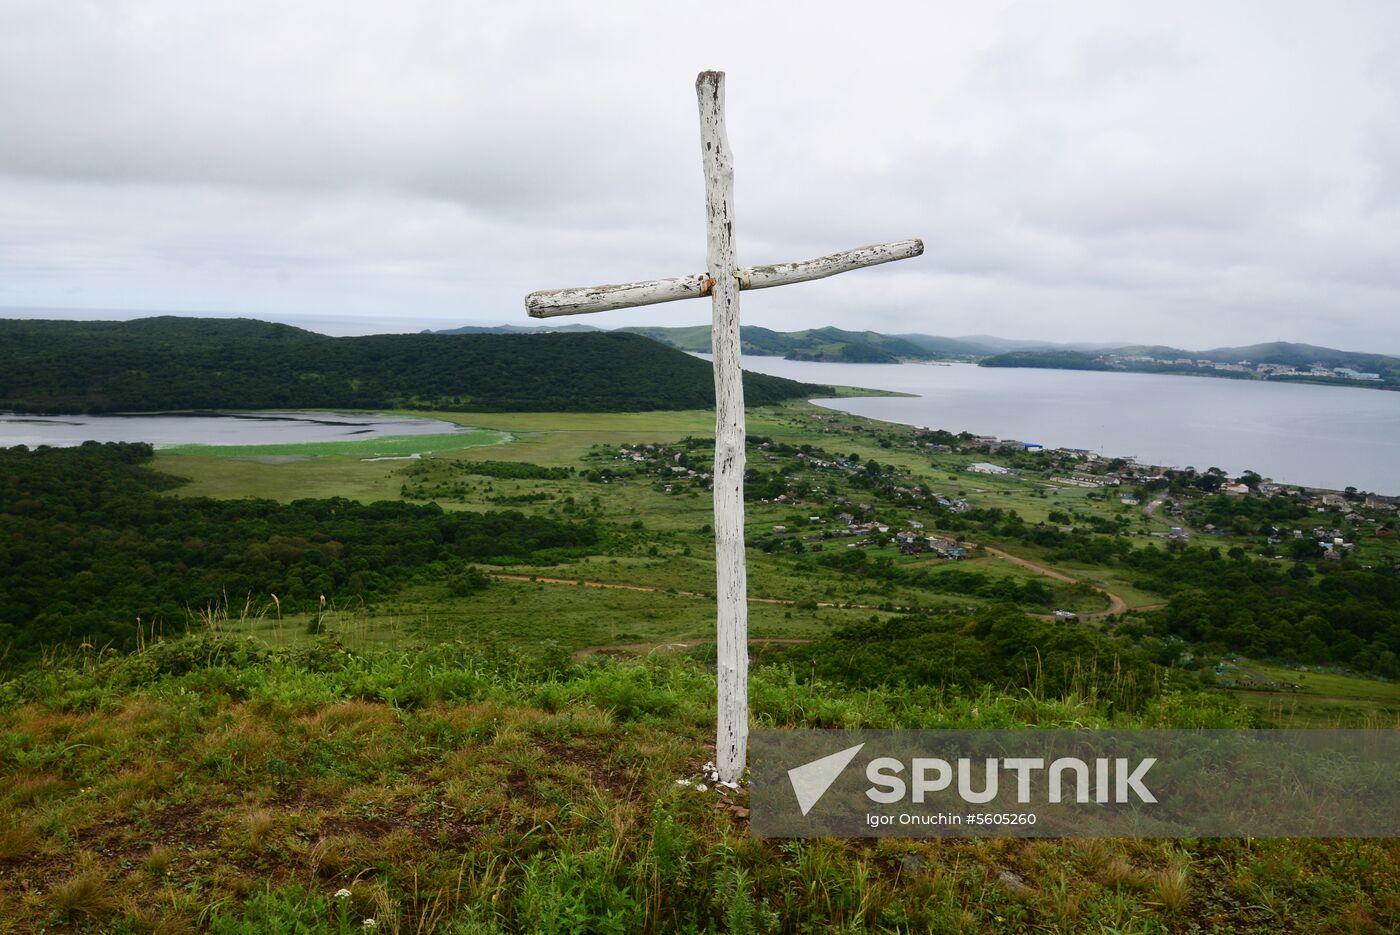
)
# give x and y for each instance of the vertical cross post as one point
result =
(731, 585)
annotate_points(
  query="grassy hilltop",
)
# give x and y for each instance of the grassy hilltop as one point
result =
(467, 788)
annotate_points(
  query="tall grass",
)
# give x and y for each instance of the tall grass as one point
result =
(240, 787)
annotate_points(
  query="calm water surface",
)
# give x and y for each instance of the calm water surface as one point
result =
(1323, 436)
(211, 428)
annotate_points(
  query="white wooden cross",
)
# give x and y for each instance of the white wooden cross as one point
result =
(722, 282)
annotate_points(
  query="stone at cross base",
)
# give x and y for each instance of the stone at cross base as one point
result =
(722, 281)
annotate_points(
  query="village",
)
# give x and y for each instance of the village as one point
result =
(862, 504)
(1315, 369)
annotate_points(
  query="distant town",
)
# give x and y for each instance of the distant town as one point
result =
(1314, 370)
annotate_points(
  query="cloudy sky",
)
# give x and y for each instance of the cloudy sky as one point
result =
(1190, 173)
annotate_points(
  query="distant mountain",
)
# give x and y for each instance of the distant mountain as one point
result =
(837, 345)
(993, 345)
(947, 347)
(1277, 360)
(170, 363)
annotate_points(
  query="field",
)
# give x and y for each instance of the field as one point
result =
(504, 759)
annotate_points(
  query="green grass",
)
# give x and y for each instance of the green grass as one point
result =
(464, 788)
(525, 615)
(1322, 700)
(1331, 684)
(1290, 710)
(213, 476)
(388, 446)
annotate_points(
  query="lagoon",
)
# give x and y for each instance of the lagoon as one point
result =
(1298, 433)
(165, 430)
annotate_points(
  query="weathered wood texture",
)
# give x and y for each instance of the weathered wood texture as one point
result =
(731, 585)
(782, 274)
(549, 303)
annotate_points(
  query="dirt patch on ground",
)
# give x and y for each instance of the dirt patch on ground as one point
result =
(187, 826)
(594, 763)
(337, 825)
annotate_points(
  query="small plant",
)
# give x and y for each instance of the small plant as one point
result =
(158, 861)
(85, 894)
(259, 825)
(1171, 887)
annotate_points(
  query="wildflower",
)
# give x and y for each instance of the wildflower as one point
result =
(370, 925)
(342, 894)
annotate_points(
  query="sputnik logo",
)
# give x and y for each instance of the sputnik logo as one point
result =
(811, 780)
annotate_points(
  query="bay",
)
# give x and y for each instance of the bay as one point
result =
(1298, 433)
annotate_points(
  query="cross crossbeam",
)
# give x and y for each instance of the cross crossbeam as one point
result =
(722, 282)
(549, 303)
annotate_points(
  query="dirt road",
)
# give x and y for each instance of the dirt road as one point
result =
(1116, 604)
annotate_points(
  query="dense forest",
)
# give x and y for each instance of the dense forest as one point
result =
(169, 363)
(1275, 610)
(88, 544)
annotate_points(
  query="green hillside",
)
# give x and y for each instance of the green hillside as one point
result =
(170, 363)
(824, 344)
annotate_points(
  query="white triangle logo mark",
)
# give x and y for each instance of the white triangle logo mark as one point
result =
(811, 780)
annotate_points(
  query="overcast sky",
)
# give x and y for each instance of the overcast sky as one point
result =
(1197, 174)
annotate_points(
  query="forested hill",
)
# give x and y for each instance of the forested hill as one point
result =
(171, 363)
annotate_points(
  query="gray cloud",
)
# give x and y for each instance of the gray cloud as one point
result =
(1195, 173)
